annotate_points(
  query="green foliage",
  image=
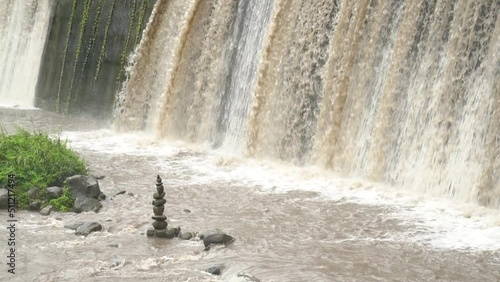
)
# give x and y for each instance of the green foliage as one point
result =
(63, 203)
(36, 160)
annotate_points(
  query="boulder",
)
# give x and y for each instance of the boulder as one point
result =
(87, 228)
(47, 210)
(54, 192)
(185, 235)
(73, 226)
(34, 206)
(121, 192)
(217, 239)
(4, 198)
(83, 185)
(33, 192)
(245, 277)
(215, 270)
(83, 204)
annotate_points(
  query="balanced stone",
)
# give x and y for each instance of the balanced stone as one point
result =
(158, 196)
(159, 202)
(160, 225)
(159, 217)
(158, 210)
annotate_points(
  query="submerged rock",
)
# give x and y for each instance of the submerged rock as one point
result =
(83, 185)
(245, 277)
(186, 235)
(47, 210)
(87, 228)
(73, 226)
(217, 239)
(83, 204)
(215, 270)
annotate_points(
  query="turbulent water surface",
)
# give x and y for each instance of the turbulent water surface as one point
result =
(290, 224)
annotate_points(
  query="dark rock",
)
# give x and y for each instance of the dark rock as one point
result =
(87, 228)
(83, 204)
(121, 192)
(150, 232)
(33, 192)
(158, 196)
(158, 210)
(118, 261)
(73, 226)
(185, 235)
(159, 217)
(47, 210)
(83, 185)
(159, 202)
(215, 270)
(165, 233)
(130, 194)
(246, 277)
(177, 231)
(113, 245)
(54, 192)
(99, 177)
(34, 206)
(217, 239)
(102, 197)
(187, 211)
(4, 198)
(160, 225)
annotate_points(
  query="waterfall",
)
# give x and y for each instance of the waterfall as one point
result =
(404, 92)
(24, 26)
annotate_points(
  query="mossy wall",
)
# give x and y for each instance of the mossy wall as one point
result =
(86, 54)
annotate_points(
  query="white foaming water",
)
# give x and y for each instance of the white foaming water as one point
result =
(439, 223)
(24, 26)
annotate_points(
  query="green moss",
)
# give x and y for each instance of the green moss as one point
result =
(70, 26)
(140, 23)
(83, 25)
(36, 160)
(126, 45)
(104, 44)
(63, 203)
(93, 37)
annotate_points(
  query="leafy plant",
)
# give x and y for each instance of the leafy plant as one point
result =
(36, 160)
(63, 203)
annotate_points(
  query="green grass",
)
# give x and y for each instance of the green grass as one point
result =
(37, 160)
(63, 203)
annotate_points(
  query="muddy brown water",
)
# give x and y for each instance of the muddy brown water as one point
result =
(296, 235)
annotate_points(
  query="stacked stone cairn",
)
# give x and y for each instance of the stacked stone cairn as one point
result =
(160, 220)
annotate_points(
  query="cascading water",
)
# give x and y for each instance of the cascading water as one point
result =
(24, 26)
(401, 91)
